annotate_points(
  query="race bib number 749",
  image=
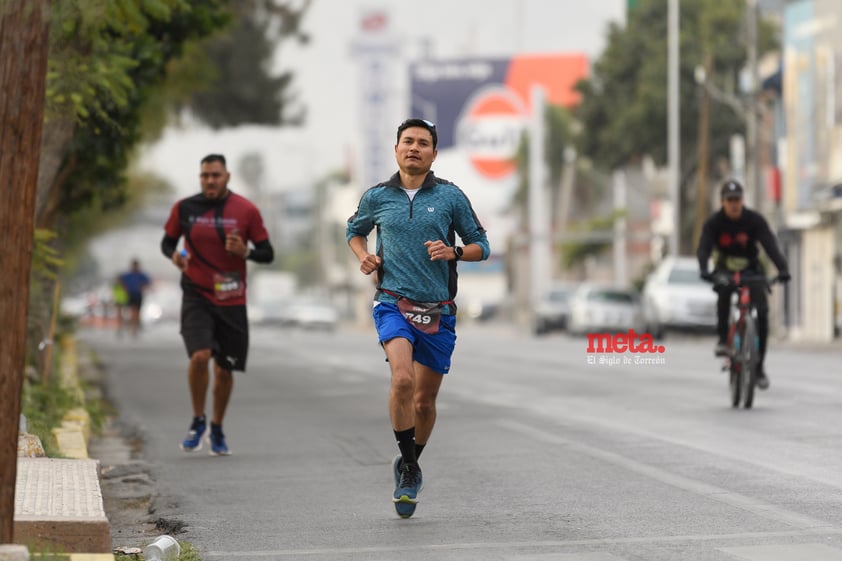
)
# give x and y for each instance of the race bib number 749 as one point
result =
(424, 317)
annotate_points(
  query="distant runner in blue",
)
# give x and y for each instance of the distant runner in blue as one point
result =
(417, 217)
(134, 283)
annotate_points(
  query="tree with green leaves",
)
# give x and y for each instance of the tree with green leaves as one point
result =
(624, 103)
(106, 62)
(119, 71)
(241, 88)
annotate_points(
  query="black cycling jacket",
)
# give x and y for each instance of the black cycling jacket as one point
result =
(738, 239)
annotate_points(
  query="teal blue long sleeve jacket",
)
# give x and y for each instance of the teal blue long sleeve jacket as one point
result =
(439, 211)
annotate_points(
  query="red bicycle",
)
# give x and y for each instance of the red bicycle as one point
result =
(743, 342)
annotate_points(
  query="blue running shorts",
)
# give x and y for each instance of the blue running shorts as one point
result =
(433, 351)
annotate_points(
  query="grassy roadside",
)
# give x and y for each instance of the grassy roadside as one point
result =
(48, 402)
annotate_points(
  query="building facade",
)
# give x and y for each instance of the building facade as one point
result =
(809, 157)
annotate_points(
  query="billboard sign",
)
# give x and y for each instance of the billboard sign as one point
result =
(481, 106)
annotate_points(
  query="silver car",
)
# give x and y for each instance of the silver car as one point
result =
(674, 297)
(553, 311)
(312, 314)
(596, 308)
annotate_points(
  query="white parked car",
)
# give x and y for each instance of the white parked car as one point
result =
(553, 310)
(312, 314)
(302, 312)
(596, 308)
(674, 297)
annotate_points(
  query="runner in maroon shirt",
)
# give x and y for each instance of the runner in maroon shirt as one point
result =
(217, 226)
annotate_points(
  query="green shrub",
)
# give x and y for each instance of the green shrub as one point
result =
(44, 406)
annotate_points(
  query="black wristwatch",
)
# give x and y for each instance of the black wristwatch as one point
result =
(458, 251)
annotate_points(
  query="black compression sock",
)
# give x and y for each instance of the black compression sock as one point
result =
(406, 444)
(418, 449)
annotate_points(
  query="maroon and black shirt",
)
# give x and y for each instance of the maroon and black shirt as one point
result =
(204, 223)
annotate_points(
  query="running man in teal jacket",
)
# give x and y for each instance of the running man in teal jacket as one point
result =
(417, 217)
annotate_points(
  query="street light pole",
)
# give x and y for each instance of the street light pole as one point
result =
(702, 191)
(753, 183)
(673, 118)
(539, 239)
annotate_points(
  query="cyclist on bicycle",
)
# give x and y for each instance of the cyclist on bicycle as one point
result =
(734, 231)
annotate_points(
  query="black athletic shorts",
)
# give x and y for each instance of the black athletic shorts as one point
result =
(135, 300)
(222, 329)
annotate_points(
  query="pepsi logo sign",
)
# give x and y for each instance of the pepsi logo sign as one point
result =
(490, 129)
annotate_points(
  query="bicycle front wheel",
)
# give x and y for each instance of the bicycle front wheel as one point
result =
(735, 384)
(750, 359)
(735, 381)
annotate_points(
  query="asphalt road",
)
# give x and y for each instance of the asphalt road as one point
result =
(538, 455)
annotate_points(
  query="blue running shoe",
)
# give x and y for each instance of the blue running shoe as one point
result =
(193, 441)
(396, 469)
(406, 493)
(217, 442)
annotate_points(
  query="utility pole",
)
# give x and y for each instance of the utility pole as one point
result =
(673, 124)
(539, 216)
(24, 32)
(620, 226)
(702, 192)
(568, 175)
(753, 183)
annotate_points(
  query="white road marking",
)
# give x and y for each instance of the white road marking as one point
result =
(787, 552)
(591, 556)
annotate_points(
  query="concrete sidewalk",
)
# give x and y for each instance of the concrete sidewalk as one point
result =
(58, 501)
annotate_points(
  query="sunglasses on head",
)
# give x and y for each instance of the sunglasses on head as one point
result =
(416, 122)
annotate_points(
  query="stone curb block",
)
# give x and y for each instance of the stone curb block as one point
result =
(11, 552)
(58, 506)
(71, 442)
(79, 418)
